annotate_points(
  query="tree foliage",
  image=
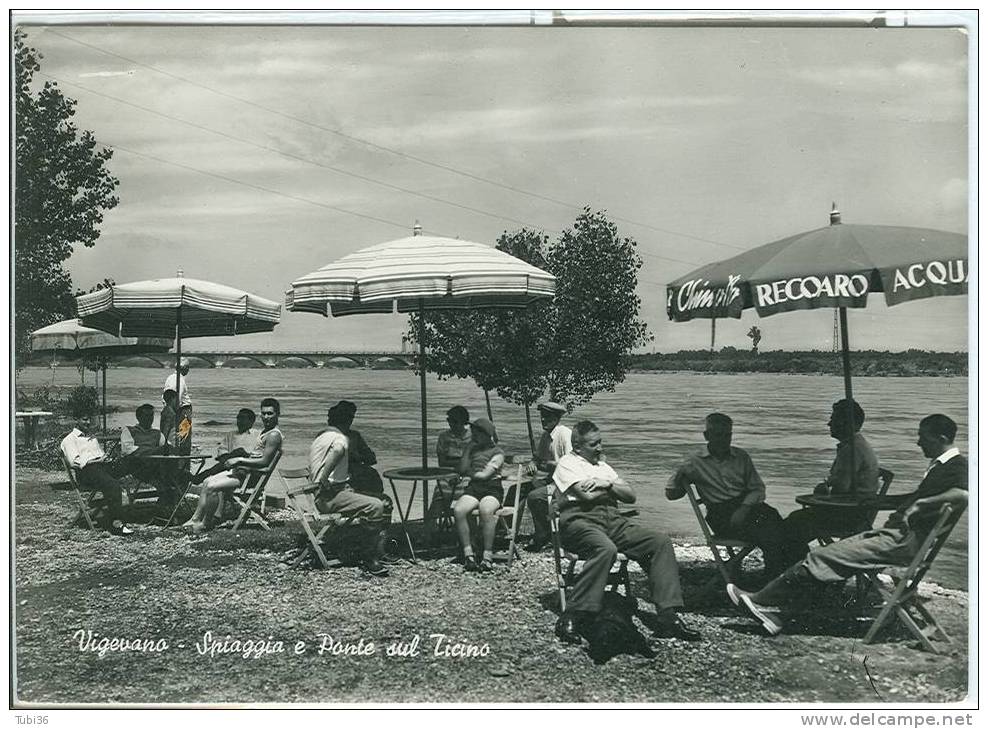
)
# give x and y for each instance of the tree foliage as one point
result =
(755, 335)
(62, 188)
(571, 347)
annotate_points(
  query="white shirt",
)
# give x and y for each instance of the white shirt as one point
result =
(321, 449)
(573, 468)
(248, 440)
(943, 457)
(183, 392)
(554, 445)
(81, 450)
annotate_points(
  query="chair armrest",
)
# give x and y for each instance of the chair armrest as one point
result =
(629, 512)
(309, 488)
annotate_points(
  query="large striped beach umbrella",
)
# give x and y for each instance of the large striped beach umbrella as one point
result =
(74, 339)
(833, 267)
(420, 274)
(176, 307)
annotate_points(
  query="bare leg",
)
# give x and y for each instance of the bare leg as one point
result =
(488, 523)
(461, 511)
(209, 498)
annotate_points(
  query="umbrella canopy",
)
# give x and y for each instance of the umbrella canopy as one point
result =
(420, 273)
(155, 308)
(71, 336)
(836, 266)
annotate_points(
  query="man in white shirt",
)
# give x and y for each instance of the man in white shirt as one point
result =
(591, 526)
(329, 466)
(556, 442)
(87, 458)
(183, 427)
(239, 442)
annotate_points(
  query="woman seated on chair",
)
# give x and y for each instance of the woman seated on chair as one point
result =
(239, 469)
(481, 466)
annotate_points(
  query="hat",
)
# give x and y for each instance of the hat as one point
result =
(552, 407)
(485, 425)
(184, 362)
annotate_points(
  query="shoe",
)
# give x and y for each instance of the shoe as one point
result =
(566, 630)
(120, 529)
(389, 559)
(768, 616)
(734, 593)
(470, 564)
(677, 629)
(485, 566)
(375, 568)
(536, 545)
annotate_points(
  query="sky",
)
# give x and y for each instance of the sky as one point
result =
(253, 155)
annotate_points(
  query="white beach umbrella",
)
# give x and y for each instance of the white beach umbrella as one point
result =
(420, 273)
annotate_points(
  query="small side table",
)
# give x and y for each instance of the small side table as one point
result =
(415, 475)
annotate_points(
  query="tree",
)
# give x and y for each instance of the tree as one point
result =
(62, 187)
(574, 346)
(755, 335)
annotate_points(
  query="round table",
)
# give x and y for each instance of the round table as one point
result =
(176, 458)
(415, 475)
(843, 501)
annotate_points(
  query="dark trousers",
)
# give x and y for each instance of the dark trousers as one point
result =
(597, 535)
(763, 527)
(805, 525)
(538, 506)
(96, 477)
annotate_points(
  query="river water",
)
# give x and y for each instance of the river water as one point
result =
(649, 423)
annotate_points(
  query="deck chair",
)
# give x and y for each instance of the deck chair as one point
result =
(301, 496)
(901, 601)
(736, 549)
(566, 563)
(253, 489)
(85, 504)
(512, 511)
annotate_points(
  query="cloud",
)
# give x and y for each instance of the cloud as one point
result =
(867, 77)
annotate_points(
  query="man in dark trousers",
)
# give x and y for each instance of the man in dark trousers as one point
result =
(591, 526)
(93, 472)
(735, 496)
(894, 545)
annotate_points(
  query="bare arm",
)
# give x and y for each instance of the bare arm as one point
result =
(676, 487)
(333, 456)
(491, 469)
(271, 446)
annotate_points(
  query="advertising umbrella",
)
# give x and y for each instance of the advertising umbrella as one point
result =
(176, 307)
(74, 339)
(832, 267)
(420, 274)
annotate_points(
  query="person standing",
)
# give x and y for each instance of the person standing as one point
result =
(554, 443)
(183, 428)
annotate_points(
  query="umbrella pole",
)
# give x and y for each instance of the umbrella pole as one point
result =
(104, 394)
(845, 354)
(178, 369)
(425, 446)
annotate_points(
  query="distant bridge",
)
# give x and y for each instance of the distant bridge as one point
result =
(369, 358)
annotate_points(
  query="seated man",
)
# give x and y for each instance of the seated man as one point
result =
(144, 440)
(894, 545)
(238, 468)
(86, 456)
(235, 443)
(364, 478)
(858, 479)
(329, 467)
(591, 527)
(734, 494)
(555, 442)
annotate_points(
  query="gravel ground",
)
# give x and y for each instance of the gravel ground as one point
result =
(167, 589)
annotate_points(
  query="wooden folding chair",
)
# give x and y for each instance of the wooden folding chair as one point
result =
(566, 563)
(736, 549)
(85, 504)
(302, 499)
(885, 478)
(902, 600)
(253, 489)
(512, 511)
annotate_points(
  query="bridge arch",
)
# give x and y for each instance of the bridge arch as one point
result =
(291, 360)
(239, 360)
(390, 363)
(343, 361)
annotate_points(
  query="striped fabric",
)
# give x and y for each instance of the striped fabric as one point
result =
(442, 273)
(72, 335)
(150, 309)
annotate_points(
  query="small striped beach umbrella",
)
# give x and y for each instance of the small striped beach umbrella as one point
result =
(176, 307)
(420, 274)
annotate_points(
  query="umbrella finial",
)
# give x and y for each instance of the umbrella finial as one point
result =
(834, 214)
(417, 228)
(179, 273)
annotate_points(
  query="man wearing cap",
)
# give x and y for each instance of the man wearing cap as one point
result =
(555, 442)
(592, 527)
(329, 467)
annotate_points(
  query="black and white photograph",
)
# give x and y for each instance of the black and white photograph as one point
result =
(521, 358)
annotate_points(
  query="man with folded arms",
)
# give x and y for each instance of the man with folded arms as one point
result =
(894, 545)
(591, 526)
(86, 456)
(734, 494)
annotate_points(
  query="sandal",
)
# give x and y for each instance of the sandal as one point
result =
(485, 566)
